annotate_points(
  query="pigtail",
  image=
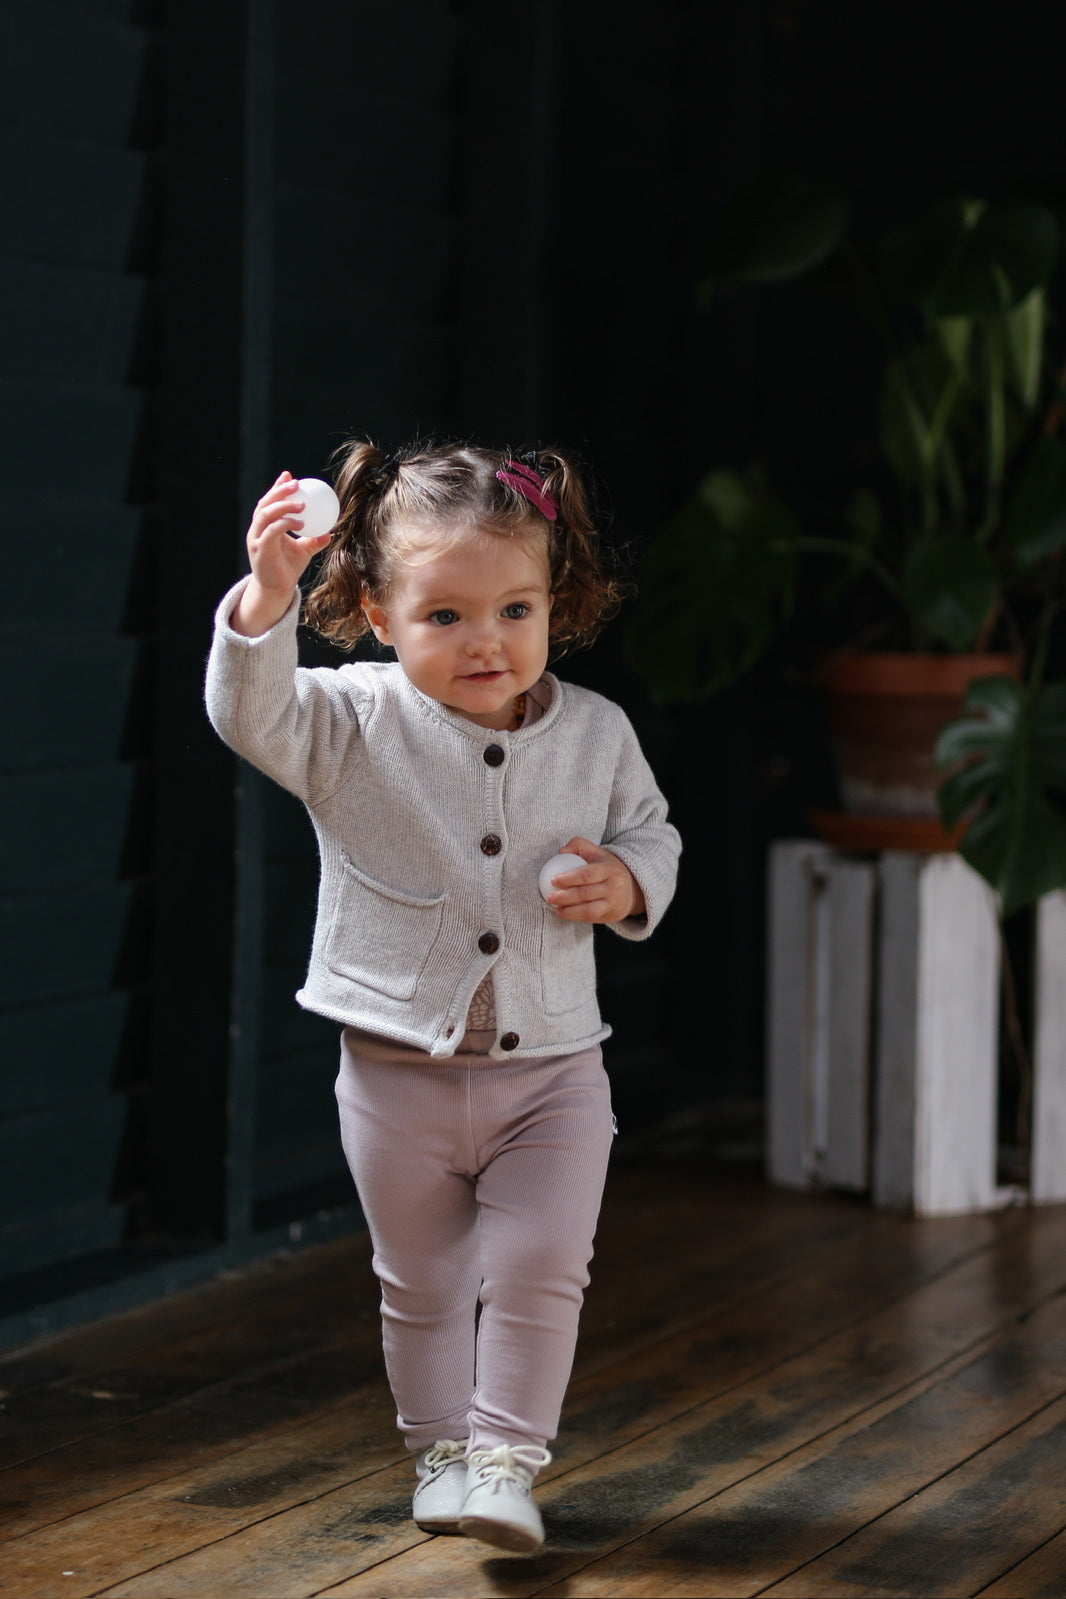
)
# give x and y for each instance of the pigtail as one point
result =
(588, 591)
(348, 573)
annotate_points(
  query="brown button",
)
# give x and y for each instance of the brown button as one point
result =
(509, 1041)
(491, 845)
(488, 943)
(494, 755)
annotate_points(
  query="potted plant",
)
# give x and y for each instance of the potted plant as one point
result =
(958, 543)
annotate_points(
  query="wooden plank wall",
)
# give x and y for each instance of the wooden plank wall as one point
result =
(441, 227)
(433, 214)
(78, 380)
(363, 227)
(658, 118)
(234, 240)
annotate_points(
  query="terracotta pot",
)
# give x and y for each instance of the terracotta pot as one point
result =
(885, 713)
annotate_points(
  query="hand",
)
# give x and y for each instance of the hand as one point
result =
(604, 890)
(278, 560)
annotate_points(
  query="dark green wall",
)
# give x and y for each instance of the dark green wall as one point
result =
(79, 373)
(236, 233)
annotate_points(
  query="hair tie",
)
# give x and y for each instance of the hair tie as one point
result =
(386, 471)
(530, 485)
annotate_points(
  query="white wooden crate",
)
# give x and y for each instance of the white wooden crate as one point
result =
(819, 1023)
(1048, 1177)
(882, 1031)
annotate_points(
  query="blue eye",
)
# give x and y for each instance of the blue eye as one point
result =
(515, 612)
(443, 618)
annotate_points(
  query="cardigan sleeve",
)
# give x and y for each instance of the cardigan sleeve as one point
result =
(294, 724)
(639, 833)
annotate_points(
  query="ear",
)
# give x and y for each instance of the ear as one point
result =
(378, 620)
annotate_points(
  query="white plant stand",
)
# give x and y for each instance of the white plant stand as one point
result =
(883, 1017)
(1048, 1182)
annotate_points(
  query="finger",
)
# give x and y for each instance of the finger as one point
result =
(585, 848)
(314, 541)
(576, 877)
(282, 486)
(593, 910)
(593, 904)
(580, 892)
(567, 898)
(280, 516)
(284, 500)
(274, 534)
(282, 494)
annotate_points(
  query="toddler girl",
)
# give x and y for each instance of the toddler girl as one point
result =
(475, 1111)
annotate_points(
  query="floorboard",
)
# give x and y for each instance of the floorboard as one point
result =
(774, 1393)
(1039, 1576)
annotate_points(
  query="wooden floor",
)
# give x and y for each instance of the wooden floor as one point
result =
(774, 1394)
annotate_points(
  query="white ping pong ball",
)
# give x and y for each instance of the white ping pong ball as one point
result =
(557, 865)
(321, 507)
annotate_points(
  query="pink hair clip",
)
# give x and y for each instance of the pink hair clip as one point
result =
(522, 478)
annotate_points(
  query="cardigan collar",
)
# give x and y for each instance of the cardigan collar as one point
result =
(549, 695)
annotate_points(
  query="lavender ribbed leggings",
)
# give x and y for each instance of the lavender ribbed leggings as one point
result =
(480, 1180)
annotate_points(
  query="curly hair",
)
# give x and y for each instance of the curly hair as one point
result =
(451, 489)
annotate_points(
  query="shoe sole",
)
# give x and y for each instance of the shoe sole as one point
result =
(442, 1528)
(500, 1535)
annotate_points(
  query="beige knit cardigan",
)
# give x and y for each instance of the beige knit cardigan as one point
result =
(402, 792)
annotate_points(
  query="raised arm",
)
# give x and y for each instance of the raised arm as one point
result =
(296, 725)
(278, 557)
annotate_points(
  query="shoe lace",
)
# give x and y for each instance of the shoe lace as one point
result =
(507, 1462)
(443, 1453)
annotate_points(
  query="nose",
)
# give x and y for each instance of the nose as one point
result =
(483, 640)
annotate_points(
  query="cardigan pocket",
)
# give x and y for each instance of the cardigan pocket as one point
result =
(381, 937)
(567, 965)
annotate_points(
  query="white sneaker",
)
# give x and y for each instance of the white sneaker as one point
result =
(498, 1508)
(441, 1473)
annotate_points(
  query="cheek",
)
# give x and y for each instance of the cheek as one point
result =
(432, 649)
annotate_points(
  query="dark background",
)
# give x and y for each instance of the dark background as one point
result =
(234, 235)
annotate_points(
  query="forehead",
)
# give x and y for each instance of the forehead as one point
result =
(468, 558)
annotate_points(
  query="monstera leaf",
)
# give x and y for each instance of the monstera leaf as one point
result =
(1006, 764)
(969, 258)
(713, 589)
(777, 227)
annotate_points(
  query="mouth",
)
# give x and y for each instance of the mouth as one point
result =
(483, 677)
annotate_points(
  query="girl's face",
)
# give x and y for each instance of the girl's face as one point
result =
(468, 619)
